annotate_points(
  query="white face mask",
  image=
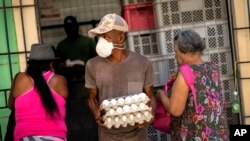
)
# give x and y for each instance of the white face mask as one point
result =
(104, 48)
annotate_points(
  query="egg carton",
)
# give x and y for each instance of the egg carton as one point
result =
(127, 119)
(124, 100)
(126, 109)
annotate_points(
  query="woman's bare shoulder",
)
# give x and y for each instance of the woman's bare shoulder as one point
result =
(58, 78)
(22, 83)
(23, 78)
(59, 84)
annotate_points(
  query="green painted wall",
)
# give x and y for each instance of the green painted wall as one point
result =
(7, 40)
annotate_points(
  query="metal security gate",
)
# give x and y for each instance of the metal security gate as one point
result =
(16, 36)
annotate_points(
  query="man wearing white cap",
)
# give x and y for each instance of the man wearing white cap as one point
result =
(116, 72)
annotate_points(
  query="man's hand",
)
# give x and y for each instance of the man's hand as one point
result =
(142, 125)
(99, 119)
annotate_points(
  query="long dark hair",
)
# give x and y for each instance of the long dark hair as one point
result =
(35, 69)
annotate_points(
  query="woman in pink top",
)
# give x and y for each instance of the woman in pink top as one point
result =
(38, 97)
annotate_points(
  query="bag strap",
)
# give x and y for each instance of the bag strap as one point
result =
(188, 75)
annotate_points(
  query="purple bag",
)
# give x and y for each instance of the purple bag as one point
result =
(163, 119)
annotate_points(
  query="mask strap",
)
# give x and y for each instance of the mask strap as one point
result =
(119, 45)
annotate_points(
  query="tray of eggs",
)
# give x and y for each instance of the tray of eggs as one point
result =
(126, 110)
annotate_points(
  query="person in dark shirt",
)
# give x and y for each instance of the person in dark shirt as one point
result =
(75, 50)
(75, 46)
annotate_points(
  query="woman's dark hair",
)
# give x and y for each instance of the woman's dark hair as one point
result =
(35, 69)
(189, 41)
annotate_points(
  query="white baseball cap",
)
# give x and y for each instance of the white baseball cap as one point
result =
(108, 23)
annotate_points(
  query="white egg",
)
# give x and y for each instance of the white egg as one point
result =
(139, 118)
(111, 111)
(146, 113)
(117, 120)
(124, 125)
(119, 110)
(147, 116)
(132, 123)
(109, 119)
(105, 103)
(109, 126)
(128, 100)
(113, 102)
(126, 108)
(135, 98)
(124, 118)
(121, 101)
(131, 117)
(138, 115)
(142, 95)
(108, 122)
(117, 125)
(142, 106)
(134, 107)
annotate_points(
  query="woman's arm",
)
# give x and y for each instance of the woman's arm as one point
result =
(10, 103)
(175, 105)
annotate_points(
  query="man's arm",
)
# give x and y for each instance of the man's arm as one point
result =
(94, 106)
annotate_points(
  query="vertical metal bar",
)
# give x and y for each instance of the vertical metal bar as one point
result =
(38, 21)
(233, 46)
(23, 29)
(1, 133)
(231, 32)
(7, 39)
(5, 98)
(248, 7)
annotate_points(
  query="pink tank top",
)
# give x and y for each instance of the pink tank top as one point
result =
(32, 119)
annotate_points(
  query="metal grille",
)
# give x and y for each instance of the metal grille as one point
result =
(217, 36)
(146, 44)
(155, 135)
(14, 48)
(172, 66)
(186, 17)
(209, 14)
(174, 6)
(198, 16)
(171, 13)
(160, 68)
(128, 2)
(227, 88)
(169, 42)
(223, 59)
(176, 18)
(208, 3)
(163, 137)
(210, 21)
(212, 42)
(157, 74)
(165, 10)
